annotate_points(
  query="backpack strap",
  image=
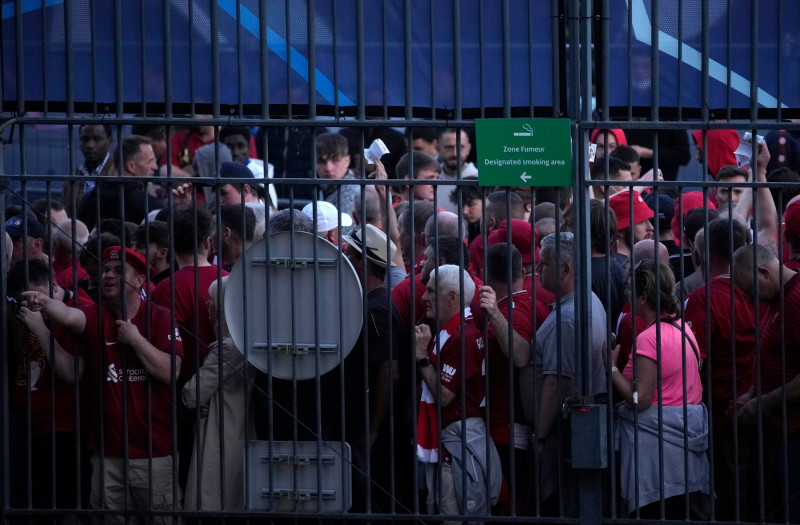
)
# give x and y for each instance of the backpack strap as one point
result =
(691, 343)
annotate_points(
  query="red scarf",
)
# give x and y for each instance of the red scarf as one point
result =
(427, 423)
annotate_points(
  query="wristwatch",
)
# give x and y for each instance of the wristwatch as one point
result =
(424, 362)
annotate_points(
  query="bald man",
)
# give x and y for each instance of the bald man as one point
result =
(645, 249)
(444, 223)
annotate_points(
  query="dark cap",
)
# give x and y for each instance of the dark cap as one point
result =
(234, 170)
(666, 209)
(15, 227)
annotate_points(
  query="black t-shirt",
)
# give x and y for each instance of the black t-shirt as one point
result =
(138, 203)
(381, 340)
(675, 254)
(601, 286)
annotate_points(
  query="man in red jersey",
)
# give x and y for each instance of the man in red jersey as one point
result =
(521, 233)
(192, 244)
(48, 375)
(759, 273)
(132, 354)
(729, 352)
(508, 305)
(439, 364)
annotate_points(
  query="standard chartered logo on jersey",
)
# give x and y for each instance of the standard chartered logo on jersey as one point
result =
(134, 374)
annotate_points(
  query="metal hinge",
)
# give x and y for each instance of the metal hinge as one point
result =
(299, 459)
(298, 263)
(297, 495)
(296, 349)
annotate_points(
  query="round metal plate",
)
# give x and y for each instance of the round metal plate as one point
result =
(286, 321)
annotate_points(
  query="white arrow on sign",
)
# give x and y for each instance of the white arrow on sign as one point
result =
(525, 177)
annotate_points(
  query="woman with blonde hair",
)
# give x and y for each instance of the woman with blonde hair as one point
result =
(221, 396)
(662, 424)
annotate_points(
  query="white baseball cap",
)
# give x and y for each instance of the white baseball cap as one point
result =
(327, 216)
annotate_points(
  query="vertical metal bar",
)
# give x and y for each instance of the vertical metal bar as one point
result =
(288, 51)
(312, 61)
(704, 97)
(336, 111)
(215, 76)
(384, 61)
(456, 59)
(590, 482)
(407, 66)
(556, 55)
(68, 65)
(239, 81)
(654, 83)
(167, 43)
(432, 73)
(753, 74)
(118, 64)
(779, 64)
(93, 44)
(604, 58)
(142, 61)
(506, 61)
(481, 57)
(630, 61)
(3, 90)
(729, 60)
(754, 22)
(360, 70)
(680, 60)
(45, 68)
(190, 17)
(264, 63)
(20, 58)
(4, 370)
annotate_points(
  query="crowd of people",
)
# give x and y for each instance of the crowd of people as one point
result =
(468, 349)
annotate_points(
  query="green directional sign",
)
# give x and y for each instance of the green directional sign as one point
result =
(524, 152)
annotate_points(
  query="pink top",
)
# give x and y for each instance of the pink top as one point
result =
(671, 363)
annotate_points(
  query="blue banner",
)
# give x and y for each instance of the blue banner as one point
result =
(287, 46)
(680, 44)
(288, 41)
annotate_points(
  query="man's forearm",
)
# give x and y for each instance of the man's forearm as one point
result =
(64, 362)
(521, 353)
(548, 407)
(157, 363)
(773, 400)
(71, 318)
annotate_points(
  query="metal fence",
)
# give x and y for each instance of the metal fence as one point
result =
(312, 400)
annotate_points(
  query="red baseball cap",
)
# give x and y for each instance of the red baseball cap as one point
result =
(132, 257)
(626, 218)
(691, 200)
(791, 219)
(520, 237)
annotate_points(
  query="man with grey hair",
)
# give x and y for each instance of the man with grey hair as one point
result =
(290, 220)
(556, 367)
(439, 363)
(444, 223)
